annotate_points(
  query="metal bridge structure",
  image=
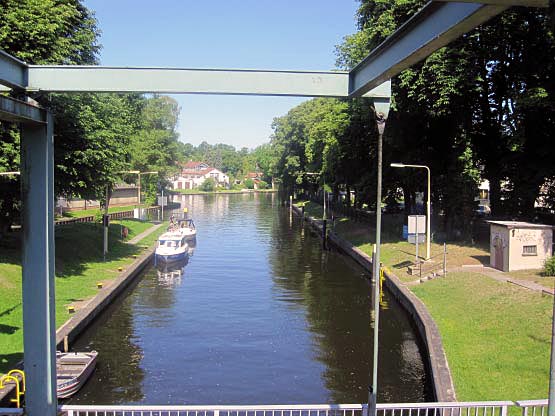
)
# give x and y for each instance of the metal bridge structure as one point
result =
(437, 24)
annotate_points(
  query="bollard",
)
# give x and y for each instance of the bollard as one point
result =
(71, 309)
(66, 344)
(99, 285)
(120, 269)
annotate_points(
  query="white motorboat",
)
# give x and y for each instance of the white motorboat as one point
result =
(187, 228)
(172, 246)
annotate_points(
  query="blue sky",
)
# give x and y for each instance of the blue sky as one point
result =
(258, 34)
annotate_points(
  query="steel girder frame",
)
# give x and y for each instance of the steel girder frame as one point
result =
(434, 26)
(37, 184)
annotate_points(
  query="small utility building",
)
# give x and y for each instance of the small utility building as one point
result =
(516, 245)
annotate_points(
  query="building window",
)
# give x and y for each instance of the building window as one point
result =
(530, 250)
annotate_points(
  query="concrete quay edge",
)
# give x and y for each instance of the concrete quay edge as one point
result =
(442, 382)
(75, 325)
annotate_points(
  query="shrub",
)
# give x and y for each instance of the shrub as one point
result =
(209, 185)
(549, 267)
(249, 183)
(262, 185)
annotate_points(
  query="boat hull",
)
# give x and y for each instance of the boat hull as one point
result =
(169, 258)
(69, 381)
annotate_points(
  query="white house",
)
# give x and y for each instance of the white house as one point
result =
(193, 174)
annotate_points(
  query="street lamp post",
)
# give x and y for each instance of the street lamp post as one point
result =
(428, 205)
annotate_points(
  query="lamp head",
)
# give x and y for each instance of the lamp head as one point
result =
(397, 165)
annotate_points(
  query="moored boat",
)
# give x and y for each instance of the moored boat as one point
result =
(72, 371)
(187, 228)
(172, 246)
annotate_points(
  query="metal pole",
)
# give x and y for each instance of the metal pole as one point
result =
(162, 204)
(551, 397)
(416, 255)
(372, 397)
(428, 219)
(105, 223)
(139, 193)
(444, 259)
(324, 188)
(37, 184)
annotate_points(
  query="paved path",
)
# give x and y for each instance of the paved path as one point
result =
(503, 277)
(139, 237)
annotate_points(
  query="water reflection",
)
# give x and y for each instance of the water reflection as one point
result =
(119, 379)
(262, 315)
(172, 273)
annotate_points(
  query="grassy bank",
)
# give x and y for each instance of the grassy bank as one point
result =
(496, 335)
(94, 211)
(79, 266)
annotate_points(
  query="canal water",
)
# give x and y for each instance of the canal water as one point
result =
(259, 315)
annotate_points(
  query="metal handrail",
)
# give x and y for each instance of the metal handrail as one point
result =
(493, 408)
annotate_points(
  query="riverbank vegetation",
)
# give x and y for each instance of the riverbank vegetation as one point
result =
(471, 111)
(496, 335)
(100, 138)
(79, 266)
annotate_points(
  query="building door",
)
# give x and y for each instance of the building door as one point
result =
(499, 255)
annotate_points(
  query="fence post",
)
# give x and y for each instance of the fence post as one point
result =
(444, 259)
(324, 233)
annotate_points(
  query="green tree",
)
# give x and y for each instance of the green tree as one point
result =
(209, 185)
(39, 32)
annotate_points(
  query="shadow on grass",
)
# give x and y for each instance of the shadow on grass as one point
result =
(76, 245)
(8, 360)
(482, 259)
(8, 329)
(10, 310)
(82, 243)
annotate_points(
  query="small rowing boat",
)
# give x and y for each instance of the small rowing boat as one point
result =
(72, 370)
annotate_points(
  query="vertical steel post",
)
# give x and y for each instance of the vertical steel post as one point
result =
(37, 182)
(551, 396)
(444, 259)
(372, 397)
(105, 224)
(428, 218)
(139, 193)
(162, 204)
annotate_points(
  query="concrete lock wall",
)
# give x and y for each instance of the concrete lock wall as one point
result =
(436, 360)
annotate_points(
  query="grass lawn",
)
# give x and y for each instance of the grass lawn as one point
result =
(496, 336)
(533, 275)
(79, 266)
(93, 211)
(398, 254)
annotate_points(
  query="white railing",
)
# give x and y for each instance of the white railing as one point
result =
(405, 409)
(533, 407)
(499, 408)
(10, 412)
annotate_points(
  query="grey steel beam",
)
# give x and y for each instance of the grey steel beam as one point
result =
(20, 112)
(13, 72)
(437, 24)
(192, 81)
(39, 325)
(508, 3)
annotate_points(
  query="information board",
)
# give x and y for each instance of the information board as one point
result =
(414, 220)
